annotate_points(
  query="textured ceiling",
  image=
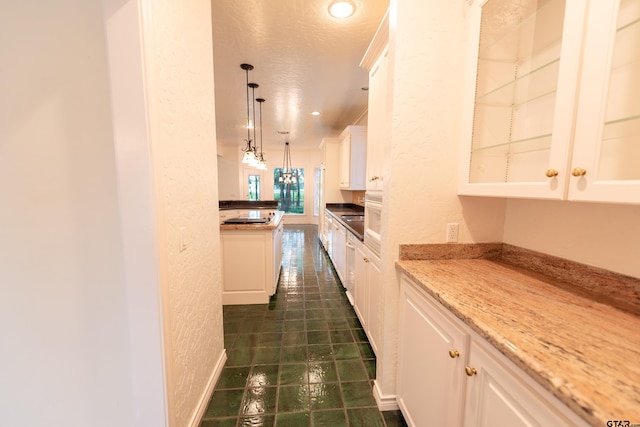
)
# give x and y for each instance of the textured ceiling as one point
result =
(304, 60)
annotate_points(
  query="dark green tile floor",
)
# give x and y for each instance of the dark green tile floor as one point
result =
(301, 360)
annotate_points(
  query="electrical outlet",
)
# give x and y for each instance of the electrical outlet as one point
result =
(452, 232)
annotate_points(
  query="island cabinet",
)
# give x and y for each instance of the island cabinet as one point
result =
(448, 375)
(554, 101)
(377, 62)
(367, 291)
(251, 260)
(353, 157)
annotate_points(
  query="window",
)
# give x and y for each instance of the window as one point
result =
(290, 196)
(254, 187)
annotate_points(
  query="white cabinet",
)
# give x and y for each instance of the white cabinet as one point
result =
(324, 231)
(368, 291)
(276, 238)
(361, 287)
(449, 375)
(430, 383)
(330, 234)
(498, 395)
(353, 157)
(377, 62)
(350, 269)
(254, 283)
(331, 177)
(339, 249)
(533, 134)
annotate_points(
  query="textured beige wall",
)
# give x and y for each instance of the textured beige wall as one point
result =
(63, 299)
(184, 143)
(599, 234)
(428, 53)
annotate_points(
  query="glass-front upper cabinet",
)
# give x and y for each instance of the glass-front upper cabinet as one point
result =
(606, 156)
(532, 132)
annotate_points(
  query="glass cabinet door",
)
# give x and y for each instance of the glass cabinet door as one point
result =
(606, 161)
(525, 89)
(516, 89)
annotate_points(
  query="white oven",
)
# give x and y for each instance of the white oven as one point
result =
(372, 220)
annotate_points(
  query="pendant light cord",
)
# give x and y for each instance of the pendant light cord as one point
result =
(248, 113)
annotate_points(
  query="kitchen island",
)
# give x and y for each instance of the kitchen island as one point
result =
(251, 242)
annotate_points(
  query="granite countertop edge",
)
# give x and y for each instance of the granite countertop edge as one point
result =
(272, 225)
(580, 349)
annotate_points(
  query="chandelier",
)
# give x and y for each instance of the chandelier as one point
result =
(288, 175)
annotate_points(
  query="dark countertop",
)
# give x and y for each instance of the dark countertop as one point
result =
(248, 204)
(336, 210)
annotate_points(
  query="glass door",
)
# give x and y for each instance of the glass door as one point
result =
(606, 161)
(522, 102)
(252, 184)
(516, 89)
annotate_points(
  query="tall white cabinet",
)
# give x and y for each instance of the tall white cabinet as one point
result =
(377, 62)
(555, 105)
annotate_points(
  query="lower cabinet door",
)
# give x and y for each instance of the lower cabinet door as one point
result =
(361, 288)
(431, 353)
(374, 285)
(498, 395)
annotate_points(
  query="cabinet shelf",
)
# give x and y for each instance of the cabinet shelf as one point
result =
(543, 140)
(620, 150)
(623, 120)
(515, 161)
(629, 25)
(528, 87)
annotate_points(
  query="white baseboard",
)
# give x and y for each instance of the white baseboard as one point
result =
(385, 402)
(211, 385)
(245, 297)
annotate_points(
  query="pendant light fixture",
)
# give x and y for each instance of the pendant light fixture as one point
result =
(262, 164)
(288, 175)
(255, 160)
(249, 152)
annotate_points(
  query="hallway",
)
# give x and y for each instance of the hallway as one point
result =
(301, 360)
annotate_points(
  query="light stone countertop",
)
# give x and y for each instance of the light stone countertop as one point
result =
(584, 352)
(272, 225)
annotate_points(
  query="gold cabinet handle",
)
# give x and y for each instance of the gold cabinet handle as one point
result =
(374, 178)
(454, 353)
(578, 172)
(365, 259)
(470, 371)
(551, 173)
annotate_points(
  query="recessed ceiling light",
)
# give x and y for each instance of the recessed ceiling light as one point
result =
(341, 8)
(315, 113)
